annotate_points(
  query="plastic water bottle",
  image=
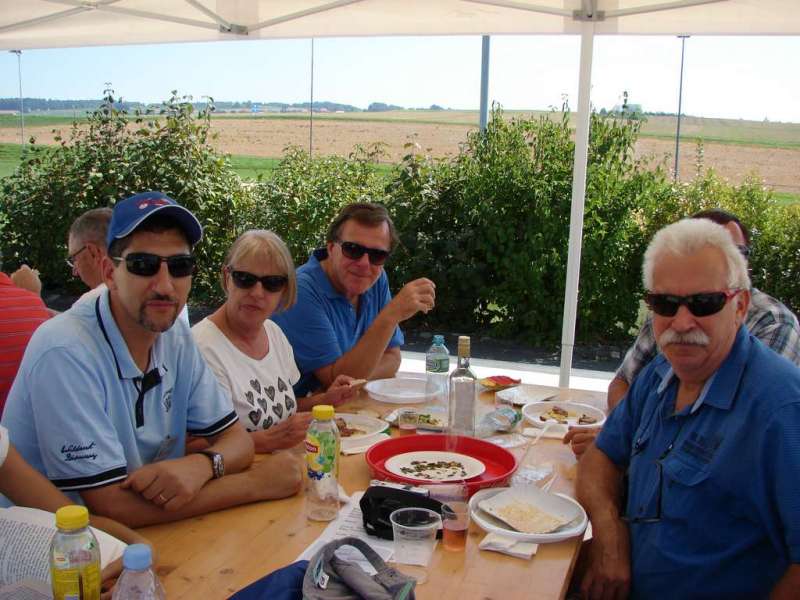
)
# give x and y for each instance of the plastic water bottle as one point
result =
(437, 368)
(138, 582)
(74, 556)
(462, 393)
(322, 460)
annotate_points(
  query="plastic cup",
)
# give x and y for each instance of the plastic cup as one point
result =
(407, 419)
(455, 524)
(414, 531)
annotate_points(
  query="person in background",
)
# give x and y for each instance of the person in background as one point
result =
(709, 436)
(21, 312)
(249, 354)
(767, 318)
(108, 391)
(25, 486)
(345, 321)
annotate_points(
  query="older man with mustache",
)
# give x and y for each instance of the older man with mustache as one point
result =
(709, 435)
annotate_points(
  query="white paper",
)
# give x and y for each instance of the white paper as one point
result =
(26, 590)
(25, 536)
(350, 523)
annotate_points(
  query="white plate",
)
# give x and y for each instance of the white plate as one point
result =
(556, 504)
(533, 410)
(397, 390)
(369, 425)
(472, 466)
(519, 396)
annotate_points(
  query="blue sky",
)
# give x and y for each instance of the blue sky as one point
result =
(741, 77)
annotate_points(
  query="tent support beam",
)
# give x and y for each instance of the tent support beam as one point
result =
(578, 199)
(211, 14)
(54, 17)
(484, 114)
(302, 13)
(638, 10)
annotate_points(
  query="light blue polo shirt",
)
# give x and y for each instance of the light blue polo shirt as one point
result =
(323, 325)
(727, 470)
(75, 411)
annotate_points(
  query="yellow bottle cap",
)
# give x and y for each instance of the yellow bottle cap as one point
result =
(322, 412)
(72, 517)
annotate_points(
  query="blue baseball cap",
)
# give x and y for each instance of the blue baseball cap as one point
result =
(130, 213)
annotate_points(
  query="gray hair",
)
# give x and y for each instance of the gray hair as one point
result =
(688, 237)
(265, 246)
(92, 226)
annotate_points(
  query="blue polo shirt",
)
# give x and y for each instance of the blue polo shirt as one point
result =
(76, 413)
(323, 325)
(726, 472)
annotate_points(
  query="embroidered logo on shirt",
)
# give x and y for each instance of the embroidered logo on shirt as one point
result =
(167, 400)
(78, 452)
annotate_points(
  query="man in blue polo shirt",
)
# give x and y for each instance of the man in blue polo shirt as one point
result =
(107, 392)
(709, 434)
(345, 321)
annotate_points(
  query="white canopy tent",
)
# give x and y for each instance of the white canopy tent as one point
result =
(26, 24)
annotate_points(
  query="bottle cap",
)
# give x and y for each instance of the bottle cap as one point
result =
(322, 412)
(72, 517)
(137, 557)
(463, 345)
(438, 339)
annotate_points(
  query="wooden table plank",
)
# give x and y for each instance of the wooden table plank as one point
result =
(212, 556)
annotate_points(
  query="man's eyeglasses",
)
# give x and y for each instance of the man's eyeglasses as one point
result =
(700, 305)
(244, 280)
(355, 251)
(70, 260)
(744, 250)
(145, 264)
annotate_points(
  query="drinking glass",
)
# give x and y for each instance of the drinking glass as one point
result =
(407, 420)
(455, 524)
(414, 531)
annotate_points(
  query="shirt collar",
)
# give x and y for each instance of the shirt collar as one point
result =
(719, 390)
(126, 367)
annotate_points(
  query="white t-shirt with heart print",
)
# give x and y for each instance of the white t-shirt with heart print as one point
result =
(261, 390)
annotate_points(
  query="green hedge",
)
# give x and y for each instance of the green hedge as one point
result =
(490, 225)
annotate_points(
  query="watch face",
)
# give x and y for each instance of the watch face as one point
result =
(219, 466)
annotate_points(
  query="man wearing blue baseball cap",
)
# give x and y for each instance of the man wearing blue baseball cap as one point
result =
(108, 391)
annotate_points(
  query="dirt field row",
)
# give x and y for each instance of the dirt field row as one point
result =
(779, 168)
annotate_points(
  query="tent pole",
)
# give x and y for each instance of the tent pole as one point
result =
(578, 197)
(484, 120)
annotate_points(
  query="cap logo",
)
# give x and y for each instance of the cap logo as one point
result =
(155, 202)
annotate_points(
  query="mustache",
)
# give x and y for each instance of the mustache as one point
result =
(694, 337)
(162, 298)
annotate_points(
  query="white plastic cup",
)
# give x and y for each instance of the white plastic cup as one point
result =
(414, 531)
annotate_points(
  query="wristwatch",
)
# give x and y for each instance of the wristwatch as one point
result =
(217, 464)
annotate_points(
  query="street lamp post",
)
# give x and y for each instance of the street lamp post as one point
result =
(680, 107)
(21, 107)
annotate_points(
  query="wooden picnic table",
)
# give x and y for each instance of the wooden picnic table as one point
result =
(214, 555)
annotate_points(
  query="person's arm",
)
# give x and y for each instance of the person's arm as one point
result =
(286, 434)
(598, 490)
(275, 476)
(370, 358)
(616, 391)
(174, 483)
(788, 585)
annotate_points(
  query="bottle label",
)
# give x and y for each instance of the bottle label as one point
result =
(437, 364)
(322, 451)
(76, 584)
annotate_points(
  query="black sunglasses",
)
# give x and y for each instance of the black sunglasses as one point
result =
(145, 264)
(700, 305)
(245, 280)
(355, 251)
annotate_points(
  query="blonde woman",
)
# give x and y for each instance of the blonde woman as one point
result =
(249, 354)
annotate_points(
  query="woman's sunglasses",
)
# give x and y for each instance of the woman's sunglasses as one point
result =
(244, 280)
(700, 305)
(355, 251)
(145, 264)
